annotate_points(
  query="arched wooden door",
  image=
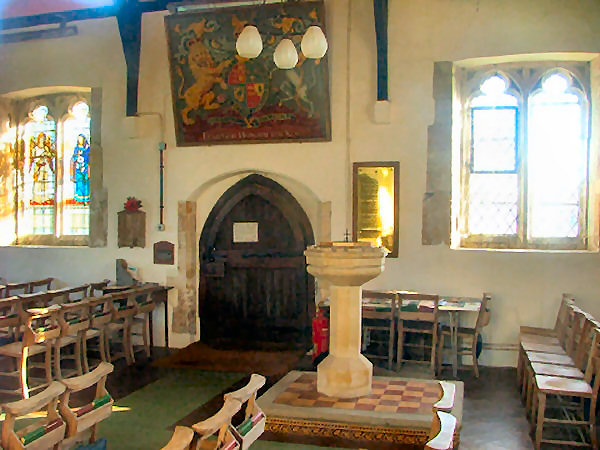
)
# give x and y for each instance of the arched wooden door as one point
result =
(254, 288)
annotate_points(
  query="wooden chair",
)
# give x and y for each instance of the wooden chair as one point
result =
(535, 342)
(85, 419)
(10, 323)
(40, 285)
(565, 357)
(43, 433)
(418, 315)
(254, 418)
(100, 317)
(379, 325)
(124, 308)
(582, 354)
(140, 325)
(74, 321)
(576, 402)
(549, 337)
(38, 327)
(466, 334)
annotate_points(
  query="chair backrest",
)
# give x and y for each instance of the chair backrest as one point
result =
(9, 319)
(87, 416)
(97, 289)
(11, 289)
(144, 298)
(100, 310)
(40, 285)
(69, 294)
(254, 418)
(583, 346)
(483, 317)
(575, 321)
(181, 440)
(561, 317)
(35, 300)
(123, 304)
(379, 305)
(74, 318)
(418, 306)
(9, 316)
(592, 367)
(39, 325)
(43, 433)
(220, 422)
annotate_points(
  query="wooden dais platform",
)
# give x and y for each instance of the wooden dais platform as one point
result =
(398, 411)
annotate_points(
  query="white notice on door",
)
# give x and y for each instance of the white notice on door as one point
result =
(245, 232)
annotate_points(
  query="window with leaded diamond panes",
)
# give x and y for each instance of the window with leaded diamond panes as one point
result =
(524, 157)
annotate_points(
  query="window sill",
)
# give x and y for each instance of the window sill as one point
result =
(526, 250)
(52, 241)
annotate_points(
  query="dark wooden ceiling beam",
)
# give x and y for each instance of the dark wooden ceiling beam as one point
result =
(380, 9)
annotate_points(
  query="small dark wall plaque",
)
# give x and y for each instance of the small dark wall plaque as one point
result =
(164, 253)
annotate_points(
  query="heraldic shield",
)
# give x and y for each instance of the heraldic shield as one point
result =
(250, 84)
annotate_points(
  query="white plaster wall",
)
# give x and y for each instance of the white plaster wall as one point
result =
(526, 287)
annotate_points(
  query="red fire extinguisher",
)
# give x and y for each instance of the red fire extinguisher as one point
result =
(320, 326)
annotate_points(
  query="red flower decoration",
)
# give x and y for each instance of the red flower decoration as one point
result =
(132, 204)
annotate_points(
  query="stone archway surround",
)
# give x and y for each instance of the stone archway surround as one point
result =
(184, 326)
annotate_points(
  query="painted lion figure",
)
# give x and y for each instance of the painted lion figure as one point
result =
(206, 74)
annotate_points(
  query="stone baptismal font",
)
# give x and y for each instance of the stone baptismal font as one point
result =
(345, 266)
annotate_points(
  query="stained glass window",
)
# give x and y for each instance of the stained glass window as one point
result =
(45, 168)
(76, 176)
(524, 159)
(37, 175)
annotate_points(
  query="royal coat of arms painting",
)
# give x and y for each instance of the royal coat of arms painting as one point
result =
(220, 97)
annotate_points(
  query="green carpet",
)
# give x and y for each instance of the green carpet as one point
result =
(141, 420)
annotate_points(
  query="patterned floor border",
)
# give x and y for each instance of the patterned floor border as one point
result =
(338, 430)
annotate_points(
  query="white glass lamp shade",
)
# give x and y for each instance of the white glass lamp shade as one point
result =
(285, 56)
(249, 44)
(314, 43)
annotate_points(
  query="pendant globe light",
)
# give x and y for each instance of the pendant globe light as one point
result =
(285, 56)
(249, 43)
(314, 43)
